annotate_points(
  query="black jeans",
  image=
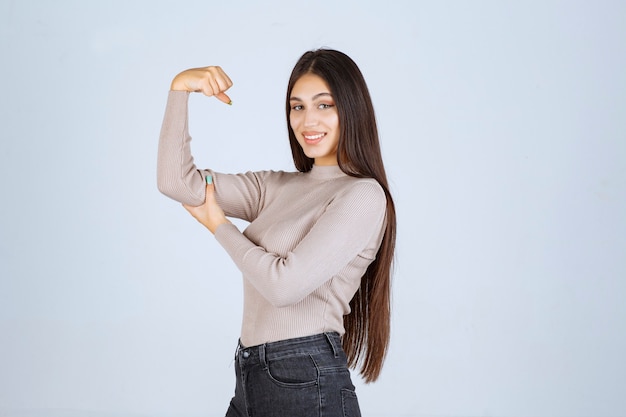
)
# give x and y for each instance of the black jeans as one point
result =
(301, 377)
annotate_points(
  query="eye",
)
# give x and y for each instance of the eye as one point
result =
(325, 106)
(297, 107)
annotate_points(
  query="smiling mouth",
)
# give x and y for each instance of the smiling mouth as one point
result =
(311, 139)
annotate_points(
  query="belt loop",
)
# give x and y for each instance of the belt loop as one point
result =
(262, 356)
(238, 348)
(332, 344)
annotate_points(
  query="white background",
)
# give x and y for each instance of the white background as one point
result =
(503, 128)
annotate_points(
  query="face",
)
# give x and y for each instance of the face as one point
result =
(314, 119)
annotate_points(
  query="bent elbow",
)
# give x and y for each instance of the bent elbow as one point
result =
(283, 302)
(166, 190)
(166, 186)
(282, 297)
(177, 191)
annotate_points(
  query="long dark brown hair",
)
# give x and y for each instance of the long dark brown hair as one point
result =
(358, 154)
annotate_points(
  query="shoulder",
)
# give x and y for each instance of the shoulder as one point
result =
(262, 176)
(366, 191)
(363, 185)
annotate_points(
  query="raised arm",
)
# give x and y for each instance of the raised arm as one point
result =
(177, 175)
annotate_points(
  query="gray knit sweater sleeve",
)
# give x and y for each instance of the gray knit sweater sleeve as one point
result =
(347, 234)
(177, 175)
(239, 195)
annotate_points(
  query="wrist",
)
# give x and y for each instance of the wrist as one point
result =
(178, 85)
(214, 227)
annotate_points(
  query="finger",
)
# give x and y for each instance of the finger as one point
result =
(223, 82)
(210, 188)
(207, 89)
(215, 87)
(209, 198)
(223, 97)
(223, 78)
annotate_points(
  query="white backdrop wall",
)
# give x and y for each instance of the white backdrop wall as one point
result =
(503, 128)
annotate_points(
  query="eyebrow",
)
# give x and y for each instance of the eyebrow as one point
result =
(315, 97)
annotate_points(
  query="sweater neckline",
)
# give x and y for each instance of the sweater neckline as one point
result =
(326, 172)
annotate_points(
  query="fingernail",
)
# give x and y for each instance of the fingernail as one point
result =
(230, 103)
(209, 179)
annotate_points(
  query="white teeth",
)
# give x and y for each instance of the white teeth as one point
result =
(314, 137)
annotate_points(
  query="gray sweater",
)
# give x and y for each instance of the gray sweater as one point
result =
(310, 238)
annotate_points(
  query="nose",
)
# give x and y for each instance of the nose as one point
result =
(310, 118)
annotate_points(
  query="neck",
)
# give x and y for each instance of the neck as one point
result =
(326, 171)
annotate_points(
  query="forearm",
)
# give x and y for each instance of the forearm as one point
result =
(177, 175)
(347, 235)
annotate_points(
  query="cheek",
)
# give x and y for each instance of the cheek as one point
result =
(293, 121)
(332, 121)
(295, 116)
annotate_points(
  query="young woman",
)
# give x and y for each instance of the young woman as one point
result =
(317, 254)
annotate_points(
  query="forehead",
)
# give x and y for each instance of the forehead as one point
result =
(309, 85)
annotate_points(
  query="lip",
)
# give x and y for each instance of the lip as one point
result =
(312, 138)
